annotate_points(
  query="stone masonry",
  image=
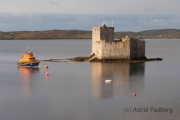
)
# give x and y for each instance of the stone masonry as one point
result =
(105, 47)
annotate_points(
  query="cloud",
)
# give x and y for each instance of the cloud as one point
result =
(53, 2)
(150, 10)
(11, 22)
(127, 15)
(106, 7)
(2, 25)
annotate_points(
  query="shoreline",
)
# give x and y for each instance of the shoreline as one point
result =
(81, 39)
(85, 59)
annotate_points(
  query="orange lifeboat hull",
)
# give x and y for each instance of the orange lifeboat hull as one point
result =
(28, 60)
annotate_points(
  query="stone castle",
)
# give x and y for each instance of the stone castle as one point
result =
(105, 47)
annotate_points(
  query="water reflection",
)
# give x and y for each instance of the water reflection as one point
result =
(132, 75)
(136, 77)
(27, 75)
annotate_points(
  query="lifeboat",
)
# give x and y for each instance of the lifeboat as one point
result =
(28, 60)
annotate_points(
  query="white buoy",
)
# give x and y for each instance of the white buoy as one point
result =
(108, 81)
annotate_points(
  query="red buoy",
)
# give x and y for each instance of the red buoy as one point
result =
(134, 94)
(46, 67)
(117, 82)
(47, 73)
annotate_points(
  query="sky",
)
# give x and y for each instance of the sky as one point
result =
(124, 15)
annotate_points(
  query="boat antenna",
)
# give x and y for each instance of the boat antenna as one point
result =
(32, 48)
(26, 48)
(112, 23)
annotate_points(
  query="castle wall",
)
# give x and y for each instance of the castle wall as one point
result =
(107, 34)
(98, 49)
(116, 50)
(95, 38)
(104, 46)
(103, 33)
(137, 49)
(110, 34)
(112, 50)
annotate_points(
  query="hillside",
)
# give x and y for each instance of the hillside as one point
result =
(81, 34)
(49, 34)
(149, 34)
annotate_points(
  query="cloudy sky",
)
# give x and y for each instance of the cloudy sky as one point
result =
(127, 15)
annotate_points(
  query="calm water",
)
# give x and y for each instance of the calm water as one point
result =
(77, 90)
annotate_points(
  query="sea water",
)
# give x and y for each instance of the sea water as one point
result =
(78, 91)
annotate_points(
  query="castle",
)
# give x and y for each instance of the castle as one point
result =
(105, 47)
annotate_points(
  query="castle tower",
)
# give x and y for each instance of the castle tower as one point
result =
(104, 46)
(101, 33)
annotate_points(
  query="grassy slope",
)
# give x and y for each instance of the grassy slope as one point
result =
(80, 34)
(159, 33)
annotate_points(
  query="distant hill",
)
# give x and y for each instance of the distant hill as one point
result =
(48, 34)
(81, 34)
(158, 34)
